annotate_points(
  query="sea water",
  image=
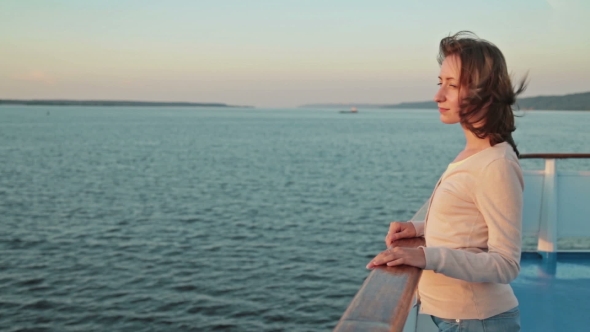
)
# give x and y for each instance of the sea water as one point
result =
(205, 219)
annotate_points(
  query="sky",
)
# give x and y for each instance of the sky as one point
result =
(277, 53)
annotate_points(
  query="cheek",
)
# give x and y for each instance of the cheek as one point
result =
(454, 99)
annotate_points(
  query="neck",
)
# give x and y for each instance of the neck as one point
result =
(473, 142)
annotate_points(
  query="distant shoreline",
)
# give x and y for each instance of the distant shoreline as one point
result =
(570, 102)
(63, 102)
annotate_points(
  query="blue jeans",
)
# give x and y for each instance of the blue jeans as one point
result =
(508, 321)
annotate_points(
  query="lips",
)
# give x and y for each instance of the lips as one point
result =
(442, 110)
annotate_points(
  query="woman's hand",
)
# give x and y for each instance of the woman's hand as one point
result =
(399, 230)
(399, 256)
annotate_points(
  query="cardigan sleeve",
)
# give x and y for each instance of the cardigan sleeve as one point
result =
(498, 197)
(419, 226)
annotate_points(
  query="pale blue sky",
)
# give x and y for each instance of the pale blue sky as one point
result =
(276, 53)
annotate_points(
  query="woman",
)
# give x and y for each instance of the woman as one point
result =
(473, 225)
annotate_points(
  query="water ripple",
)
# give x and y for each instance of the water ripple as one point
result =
(121, 219)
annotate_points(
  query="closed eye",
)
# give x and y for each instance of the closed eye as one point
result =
(451, 85)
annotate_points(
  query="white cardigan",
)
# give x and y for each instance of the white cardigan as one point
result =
(473, 237)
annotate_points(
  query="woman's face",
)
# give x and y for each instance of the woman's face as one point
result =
(447, 97)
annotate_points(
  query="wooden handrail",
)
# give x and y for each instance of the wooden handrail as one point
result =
(385, 298)
(555, 156)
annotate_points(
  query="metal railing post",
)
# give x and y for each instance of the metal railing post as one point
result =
(548, 224)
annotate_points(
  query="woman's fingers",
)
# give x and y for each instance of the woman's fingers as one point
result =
(398, 231)
(402, 234)
(399, 261)
(384, 257)
(394, 228)
(398, 256)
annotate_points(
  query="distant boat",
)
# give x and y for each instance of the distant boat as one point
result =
(353, 110)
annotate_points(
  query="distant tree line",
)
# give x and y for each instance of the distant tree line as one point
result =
(55, 102)
(571, 102)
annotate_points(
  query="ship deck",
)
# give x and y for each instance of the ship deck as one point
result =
(554, 292)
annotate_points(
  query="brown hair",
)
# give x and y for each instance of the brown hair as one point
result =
(486, 108)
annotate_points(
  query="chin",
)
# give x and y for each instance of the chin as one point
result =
(447, 120)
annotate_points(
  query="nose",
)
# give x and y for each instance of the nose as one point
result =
(439, 97)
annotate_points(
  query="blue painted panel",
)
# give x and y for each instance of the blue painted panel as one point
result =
(554, 292)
